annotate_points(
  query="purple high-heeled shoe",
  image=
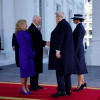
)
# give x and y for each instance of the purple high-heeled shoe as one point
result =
(25, 93)
(29, 91)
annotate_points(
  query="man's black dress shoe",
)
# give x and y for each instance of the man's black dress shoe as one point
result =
(59, 94)
(36, 88)
(33, 88)
(40, 87)
(68, 92)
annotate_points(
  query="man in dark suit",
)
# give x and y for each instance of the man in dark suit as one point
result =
(16, 49)
(61, 57)
(38, 44)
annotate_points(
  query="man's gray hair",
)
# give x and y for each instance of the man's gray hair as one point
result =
(35, 17)
(61, 14)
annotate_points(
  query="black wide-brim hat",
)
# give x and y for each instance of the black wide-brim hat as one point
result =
(78, 17)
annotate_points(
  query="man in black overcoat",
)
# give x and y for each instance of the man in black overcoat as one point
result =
(15, 48)
(38, 44)
(61, 56)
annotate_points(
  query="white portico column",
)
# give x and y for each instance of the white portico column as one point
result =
(93, 52)
(7, 55)
(24, 9)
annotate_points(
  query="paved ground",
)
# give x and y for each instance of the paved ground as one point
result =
(11, 73)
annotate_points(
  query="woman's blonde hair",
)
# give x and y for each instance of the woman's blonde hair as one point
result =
(19, 25)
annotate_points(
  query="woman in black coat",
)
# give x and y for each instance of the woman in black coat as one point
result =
(78, 36)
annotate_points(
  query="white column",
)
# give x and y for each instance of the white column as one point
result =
(7, 55)
(50, 18)
(93, 52)
(24, 9)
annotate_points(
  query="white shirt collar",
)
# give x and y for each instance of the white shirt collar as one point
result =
(35, 25)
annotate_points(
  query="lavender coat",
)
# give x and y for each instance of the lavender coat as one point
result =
(26, 54)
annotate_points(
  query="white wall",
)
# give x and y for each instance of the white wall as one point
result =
(50, 20)
(50, 9)
(13, 10)
(6, 56)
(24, 9)
(93, 51)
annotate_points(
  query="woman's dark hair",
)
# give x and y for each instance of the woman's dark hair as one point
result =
(81, 20)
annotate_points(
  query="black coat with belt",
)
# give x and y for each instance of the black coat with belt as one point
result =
(62, 40)
(78, 36)
(38, 44)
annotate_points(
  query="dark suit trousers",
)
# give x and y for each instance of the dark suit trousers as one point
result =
(34, 80)
(63, 81)
(17, 57)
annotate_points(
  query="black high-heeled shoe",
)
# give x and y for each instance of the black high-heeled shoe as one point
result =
(84, 85)
(80, 88)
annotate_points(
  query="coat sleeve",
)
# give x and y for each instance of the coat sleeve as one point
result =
(43, 43)
(24, 44)
(59, 38)
(78, 38)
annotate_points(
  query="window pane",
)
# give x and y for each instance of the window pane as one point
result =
(58, 7)
(90, 25)
(90, 32)
(85, 25)
(70, 16)
(90, 16)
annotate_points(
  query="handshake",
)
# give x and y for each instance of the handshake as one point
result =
(48, 43)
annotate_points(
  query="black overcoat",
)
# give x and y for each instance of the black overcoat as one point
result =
(38, 44)
(62, 39)
(78, 36)
(15, 44)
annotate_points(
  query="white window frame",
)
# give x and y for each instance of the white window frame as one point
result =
(70, 16)
(58, 7)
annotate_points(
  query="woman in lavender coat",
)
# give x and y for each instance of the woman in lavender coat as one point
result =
(26, 54)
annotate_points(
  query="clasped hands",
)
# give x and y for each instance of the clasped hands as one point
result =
(58, 54)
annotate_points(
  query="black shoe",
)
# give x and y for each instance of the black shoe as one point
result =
(84, 85)
(59, 94)
(31, 88)
(40, 87)
(80, 88)
(68, 92)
